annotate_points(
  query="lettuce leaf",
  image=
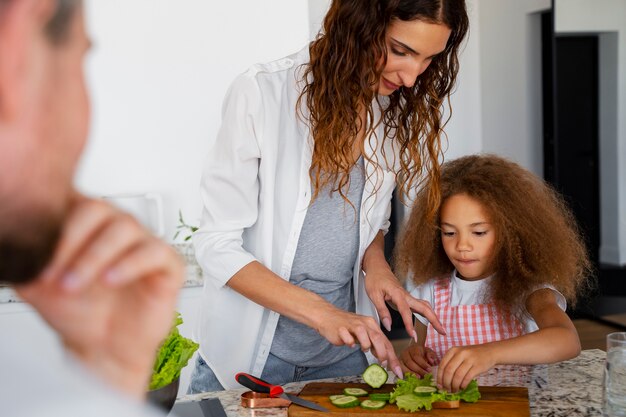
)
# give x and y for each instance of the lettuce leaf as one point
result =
(470, 394)
(172, 357)
(410, 402)
(405, 399)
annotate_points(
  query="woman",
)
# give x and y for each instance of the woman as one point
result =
(297, 192)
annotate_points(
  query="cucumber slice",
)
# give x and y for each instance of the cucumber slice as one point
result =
(380, 396)
(375, 375)
(345, 401)
(373, 405)
(424, 391)
(357, 392)
(334, 397)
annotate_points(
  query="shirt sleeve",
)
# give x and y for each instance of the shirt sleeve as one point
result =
(530, 323)
(230, 184)
(424, 292)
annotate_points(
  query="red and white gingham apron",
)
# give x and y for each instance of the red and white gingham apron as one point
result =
(467, 324)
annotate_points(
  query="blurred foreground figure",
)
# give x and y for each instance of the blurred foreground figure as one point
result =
(100, 280)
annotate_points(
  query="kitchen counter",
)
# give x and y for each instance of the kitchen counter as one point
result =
(570, 388)
(193, 273)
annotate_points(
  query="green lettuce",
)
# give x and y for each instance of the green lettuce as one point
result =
(405, 399)
(172, 357)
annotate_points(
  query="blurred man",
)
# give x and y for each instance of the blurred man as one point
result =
(104, 283)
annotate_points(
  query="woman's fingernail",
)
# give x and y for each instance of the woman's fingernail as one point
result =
(71, 281)
(384, 364)
(398, 371)
(387, 323)
(415, 336)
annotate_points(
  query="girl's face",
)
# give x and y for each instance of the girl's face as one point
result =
(468, 237)
(411, 47)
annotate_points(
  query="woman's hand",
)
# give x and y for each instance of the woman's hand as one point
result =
(417, 359)
(110, 292)
(343, 328)
(462, 364)
(382, 285)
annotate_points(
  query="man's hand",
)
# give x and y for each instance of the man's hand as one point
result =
(418, 359)
(110, 292)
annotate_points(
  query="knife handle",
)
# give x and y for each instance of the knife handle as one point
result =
(258, 385)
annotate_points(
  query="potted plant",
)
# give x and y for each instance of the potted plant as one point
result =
(173, 355)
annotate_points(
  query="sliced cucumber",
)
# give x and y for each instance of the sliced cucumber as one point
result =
(345, 401)
(373, 405)
(424, 391)
(380, 396)
(357, 392)
(375, 375)
(334, 397)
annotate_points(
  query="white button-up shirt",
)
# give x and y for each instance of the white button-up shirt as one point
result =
(255, 191)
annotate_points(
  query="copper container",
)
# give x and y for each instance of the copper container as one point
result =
(250, 399)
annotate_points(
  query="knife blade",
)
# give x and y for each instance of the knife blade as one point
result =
(258, 385)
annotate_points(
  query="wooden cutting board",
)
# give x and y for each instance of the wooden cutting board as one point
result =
(494, 401)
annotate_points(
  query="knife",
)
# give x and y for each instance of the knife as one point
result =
(258, 385)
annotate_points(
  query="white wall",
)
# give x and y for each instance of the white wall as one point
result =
(464, 129)
(510, 73)
(608, 18)
(157, 75)
(160, 69)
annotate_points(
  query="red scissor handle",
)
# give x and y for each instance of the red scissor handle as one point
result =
(258, 385)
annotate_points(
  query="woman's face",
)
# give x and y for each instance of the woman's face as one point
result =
(411, 47)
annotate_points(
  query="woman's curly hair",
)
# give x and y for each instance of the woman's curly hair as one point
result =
(537, 238)
(345, 66)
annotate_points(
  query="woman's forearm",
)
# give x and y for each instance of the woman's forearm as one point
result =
(374, 257)
(259, 284)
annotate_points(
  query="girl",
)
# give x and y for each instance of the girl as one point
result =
(507, 255)
(297, 191)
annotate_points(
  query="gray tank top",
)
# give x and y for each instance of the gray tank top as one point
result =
(324, 264)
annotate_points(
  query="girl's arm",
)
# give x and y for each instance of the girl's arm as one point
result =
(556, 340)
(382, 285)
(417, 358)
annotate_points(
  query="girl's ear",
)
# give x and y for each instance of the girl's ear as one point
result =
(22, 26)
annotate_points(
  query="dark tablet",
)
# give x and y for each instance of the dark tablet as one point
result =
(211, 407)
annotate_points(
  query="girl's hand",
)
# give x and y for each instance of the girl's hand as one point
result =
(344, 328)
(110, 293)
(382, 285)
(462, 364)
(417, 359)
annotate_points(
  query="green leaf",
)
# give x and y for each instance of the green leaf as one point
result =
(405, 399)
(470, 394)
(410, 402)
(172, 357)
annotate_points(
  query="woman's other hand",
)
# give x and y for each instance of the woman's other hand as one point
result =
(382, 286)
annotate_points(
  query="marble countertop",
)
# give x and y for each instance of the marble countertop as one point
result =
(193, 273)
(570, 388)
